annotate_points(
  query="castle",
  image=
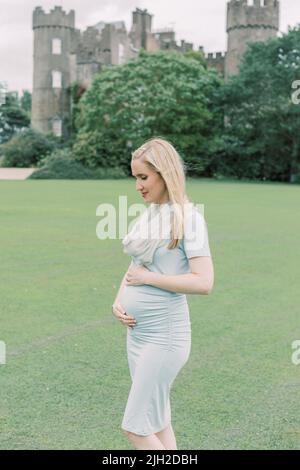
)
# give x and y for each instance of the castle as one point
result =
(64, 55)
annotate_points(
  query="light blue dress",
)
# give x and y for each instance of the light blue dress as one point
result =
(160, 343)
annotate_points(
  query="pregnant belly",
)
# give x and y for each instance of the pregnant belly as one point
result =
(154, 308)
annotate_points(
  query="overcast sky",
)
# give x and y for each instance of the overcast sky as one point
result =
(199, 21)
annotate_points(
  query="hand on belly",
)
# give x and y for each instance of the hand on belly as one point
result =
(149, 310)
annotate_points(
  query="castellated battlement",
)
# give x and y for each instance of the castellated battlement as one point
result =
(255, 13)
(142, 18)
(57, 17)
(215, 60)
(215, 56)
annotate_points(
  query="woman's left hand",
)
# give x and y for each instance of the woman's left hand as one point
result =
(137, 275)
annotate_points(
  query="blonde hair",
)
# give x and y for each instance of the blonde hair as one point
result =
(160, 155)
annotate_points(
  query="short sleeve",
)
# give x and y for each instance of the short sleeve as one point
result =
(195, 240)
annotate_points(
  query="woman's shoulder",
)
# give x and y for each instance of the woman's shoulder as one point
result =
(195, 240)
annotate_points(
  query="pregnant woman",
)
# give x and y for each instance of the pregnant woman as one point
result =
(171, 257)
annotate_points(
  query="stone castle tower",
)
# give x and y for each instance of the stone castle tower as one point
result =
(53, 38)
(64, 55)
(140, 33)
(248, 21)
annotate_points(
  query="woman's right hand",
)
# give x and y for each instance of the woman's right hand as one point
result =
(121, 315)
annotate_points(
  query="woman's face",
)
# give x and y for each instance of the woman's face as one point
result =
(150, 184)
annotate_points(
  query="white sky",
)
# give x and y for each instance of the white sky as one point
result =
(199, 21)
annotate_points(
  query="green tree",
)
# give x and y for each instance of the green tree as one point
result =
(27, 148)
(262, 138)
(13, 118)
(196, 55)
(25, 102)
(162, 93)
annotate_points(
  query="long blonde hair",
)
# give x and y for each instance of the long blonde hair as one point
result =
(160, 155)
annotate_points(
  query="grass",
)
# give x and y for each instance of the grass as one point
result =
(66, 380)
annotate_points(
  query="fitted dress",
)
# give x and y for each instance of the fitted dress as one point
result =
(159, 345)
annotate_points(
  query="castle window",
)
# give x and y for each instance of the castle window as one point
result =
(56, 79)
(57, 127)
(56, 46)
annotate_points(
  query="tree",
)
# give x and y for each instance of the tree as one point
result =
(262, 135)
(27, 148)
(25, 102)
(162, 93)
(196, 55)
(13, 118)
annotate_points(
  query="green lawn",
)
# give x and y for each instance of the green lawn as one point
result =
(66, 380)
